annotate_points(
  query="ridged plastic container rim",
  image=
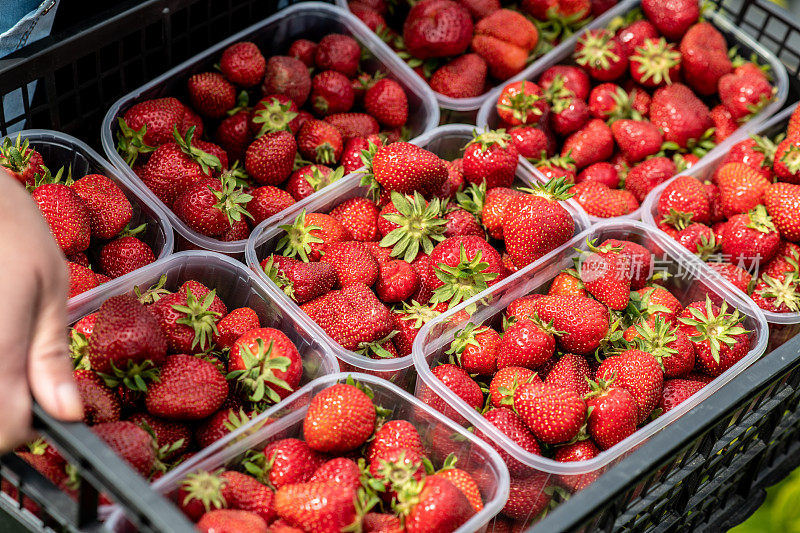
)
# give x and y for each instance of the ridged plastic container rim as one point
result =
(475, 102)
(110, 171)
(355, 27)
(217, 454)
(780, 82)
(550, 466)
(269, 228)
(650, 203)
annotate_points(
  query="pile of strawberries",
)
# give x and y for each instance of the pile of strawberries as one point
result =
(462, 48)
(314, 109)
(421, 245)
(353, 467)
(88, 217)
(164, 374)
(745, 220)
(577, 369)
(633, 109)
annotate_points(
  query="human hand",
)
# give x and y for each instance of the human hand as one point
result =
(33, 341)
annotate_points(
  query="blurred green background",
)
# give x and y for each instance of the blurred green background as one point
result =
(780, 511)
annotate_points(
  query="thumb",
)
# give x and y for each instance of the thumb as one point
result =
(49, 364)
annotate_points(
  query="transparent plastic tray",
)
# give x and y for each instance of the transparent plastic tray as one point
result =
(735, 37)
(474, 455)
(566, 46)
(307, 19)
(783, 326)
(59, 149)
(446, 142)
(696, 281)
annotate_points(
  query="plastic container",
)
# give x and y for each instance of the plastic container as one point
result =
(691, 281)
(439, 434)
(466, 105)
(783, 326)
(60, 149)
(735, 37)
(307, 19)
(446, 142)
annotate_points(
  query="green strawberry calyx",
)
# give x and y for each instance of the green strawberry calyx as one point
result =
(558, 95)
(781, 292)
(557, 189)
(420, 314)
(463, 338)
(205, 487)
(231, 200)
(759, 220)
(375, 349)
(490, 138)
(507, 392)
(520, 104)
(154, 293)
(318, 180)
(206, 161)
(716, 329)
(275, 116)
(596, 52)
(472, 198)
(260, 371)
(130, 142)
(15, 155)
(298, 238)
(791, 158)
(462, 281)
(279, 277)
(367, 175)
(134, 376)
(656, 339)
(623, 107)
(420, 224)
(198, 317)
(767, 147)
(655, 59)
(678, 219)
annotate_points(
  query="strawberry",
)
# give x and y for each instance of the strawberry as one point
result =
(266, 363)
(352, 316)
(340, 470)
(360, 217)
(354, 124)
(793, 126)
(744, 95)
(718, 336)
(671, 348)
(683, 201)
(395, 435)
(351, 154)
(521, 103)
(736, 275)
(461, 267)
(724, 123)
(331, 93)
(172, 439)
(634, 36)
(606, 274)
(109, 208)
(267, 201)
(368, 16)
(339, 419)
(189, 388)
(233, 134)
(637, 139)
(211, 206)
(410, 319)
(509, 423)
(288, 76)
(309, 233)
(405, 168)
(557, 167)
(640, 374)
(756, 151)
(641, 261)
(462, 222)
(396, 468)
(601, 55)
(66, 214)
(573, 78)
(657, 302)
(567, 284)
(494, 208)
(786, 161)
(218, 425)
(741, 188)
(597, 200)
(125, 334)
(530, 142)
(582, 450)
(705, 57)
(290, 461)
(409, 227)
(211, 94)
(782, 201)
(145, 126)
(100, 404)
(457, 380)
(437, 28)
(476, 349)
(270, 158)
(320, 142)
(585, 321)
(591, 144)
(676, 391)
(81, 279)
(553, 414)
(505, 382)
(351, 262)
(490, 157)
(528, 343)
(188, 318)
(572, 372)
(527, 497)
(671, 18)
(777, 295)
(463, 77)
(465, 483)
(751, 238)
(45, 459)
(243, 64)
(232, 521)
(434, 504)
(680, 114)
(528, 215)
(396, 282)
(338, 52)
(645, 176)
(130, 442)
(124, 255)
(609, 101)
(386, 101)
(698, 239)
(614, 413)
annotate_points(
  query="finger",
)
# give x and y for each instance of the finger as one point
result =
(49, 364)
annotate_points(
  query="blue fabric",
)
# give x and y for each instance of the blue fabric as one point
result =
(12, 11)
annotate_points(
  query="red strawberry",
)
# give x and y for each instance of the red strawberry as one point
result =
(705, 57)
(354, 124)
(567, 284)
(637, 139)
(232, 521)
(463, 77)
(676, 391)
(338, 52)
(437, 28)
(218, 425)
(437, 506)
(233, 134)
(461, 267)
(528, 343)
(782, 201)
(351, 154)
(571, 372)
(309, 233)
(289, 76)
(751, 238)
(490, 157)
(320, 142)
(606, 273)
(574, 79)
(777, 295)
(724, 123)
(739, 277)
(405, 168)
(680, 114)
(786, 161)
(591, 144)
(505, 382)
(530, 142)
(466, 484)
(756, 151)
(601, 55)
(744, 95)
(172, 439)
(554, 414)
(511, 425)
(741, 188)
(130, 442)
(673, 17)
(331, 93)
(100, 404)
(66, 214)
(462, 222)
(45, 459)
(124, 255)
(645, 176)
(387, 102)
(614, 414)
(641, 261)
(494, 209)
(657, 302)
(457, 380)
(352, 263)
(395, 435)
(396, 282)
(290, 461)
(521, 103)
(634, 36)
(266, 363)
(270, 158)
(597, 200)
(640, 374)
(211, 206)
(683, 201)
(609, 101)
(698, 239)
(339, 419)
(582, 450)
(189, 388)
(109, 208)
(243, 64)
(410, 319)
(476, 349)
(718, 336)
(81, 279)
(145, 125)
(267, 201)
(188, 318)
(360, 217)
(527, 497)
(211, 94)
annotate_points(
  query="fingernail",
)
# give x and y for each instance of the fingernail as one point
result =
(69, 401)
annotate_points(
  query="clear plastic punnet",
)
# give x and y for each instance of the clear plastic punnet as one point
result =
(690, 280)
(304, 20)
(59, 149)
(440, 436)
(782, 326)
(446, 142)
(467, 105)
(746, 46)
